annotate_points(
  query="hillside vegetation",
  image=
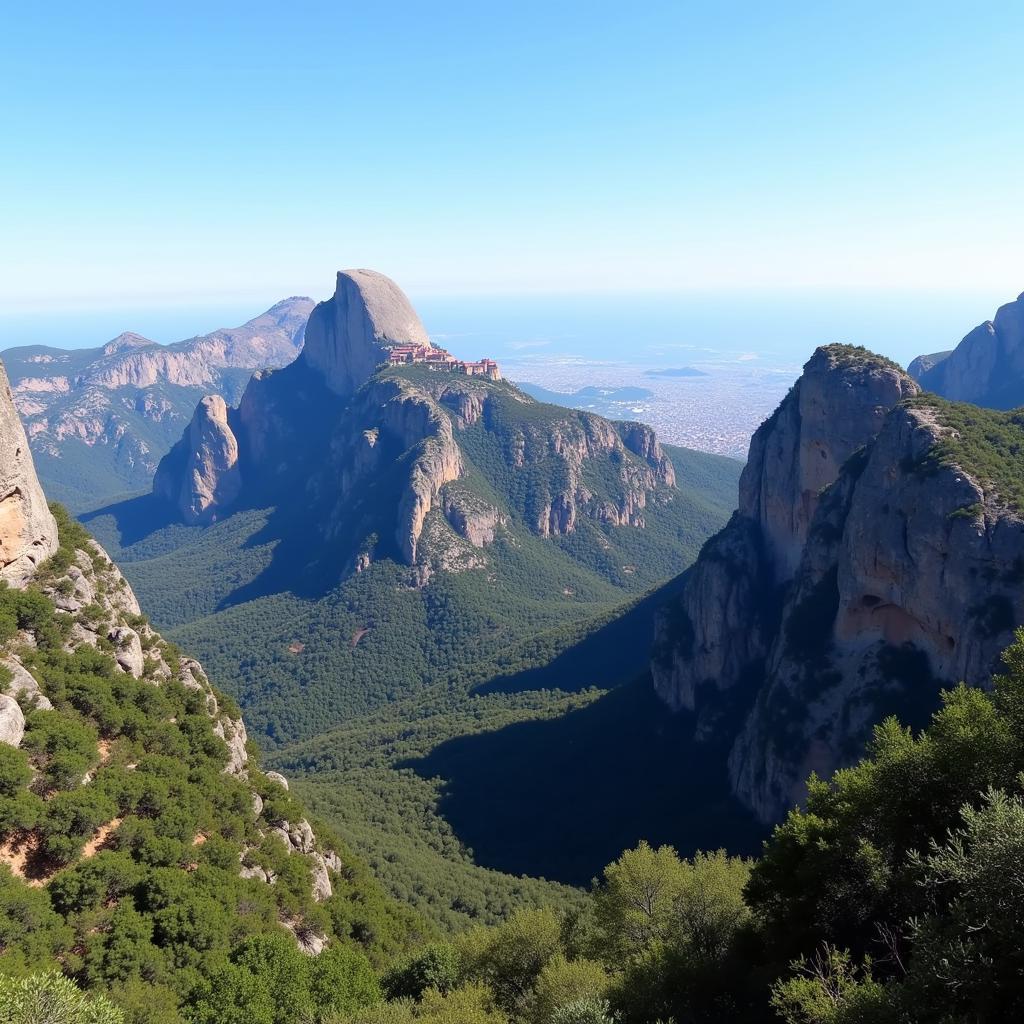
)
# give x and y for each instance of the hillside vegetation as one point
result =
(123, 831)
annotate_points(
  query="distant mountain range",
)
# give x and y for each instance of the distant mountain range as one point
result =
(100, 419)
(986, 368)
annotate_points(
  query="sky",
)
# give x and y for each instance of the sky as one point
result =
(216, 157)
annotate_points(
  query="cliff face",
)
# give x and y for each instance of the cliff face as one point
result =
(27, 530)
(349, 335)
(200, 474)
(901, 574)
(380, 458)
(986, 368)
(837, 406)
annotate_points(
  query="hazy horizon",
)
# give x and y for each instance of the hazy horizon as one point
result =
(657, 328)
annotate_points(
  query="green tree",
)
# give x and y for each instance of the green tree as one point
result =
(584, 1011)
(509, 958)
(52, 999)
(566, 981)
(638, 899)
(830, 989)
(435, 966)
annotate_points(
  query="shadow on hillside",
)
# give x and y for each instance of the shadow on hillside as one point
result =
(615, 652)
(136, 518)
(563, 798)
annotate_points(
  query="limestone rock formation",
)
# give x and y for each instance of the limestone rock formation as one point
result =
(129, 400)
(350, 334)
(374, 456)
(869, 564)
(722, 622)
(200, 474)
(918, 367)
(28, 533)
(12, 721)
(986, 368)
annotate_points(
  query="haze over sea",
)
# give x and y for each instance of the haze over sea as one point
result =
(750, 345)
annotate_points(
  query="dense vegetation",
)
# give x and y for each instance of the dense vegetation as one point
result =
(121, 838)
(894, 897)
(475, 653)
(986, 443)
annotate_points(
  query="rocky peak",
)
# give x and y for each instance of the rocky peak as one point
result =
(987, 367)
(126, 341)
(870, 563)
(200, 474)
(349, 335)
(836, 407)
(28, 533)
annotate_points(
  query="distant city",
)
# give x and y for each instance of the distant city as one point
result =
(714, 408)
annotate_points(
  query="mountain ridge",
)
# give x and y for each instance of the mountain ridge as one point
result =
(99, 419)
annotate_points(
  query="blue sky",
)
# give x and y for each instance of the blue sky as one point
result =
(204, 154)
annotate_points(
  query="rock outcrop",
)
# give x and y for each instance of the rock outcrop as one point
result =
(869, 564)
(918, 367)
(986, 368)
(349, 335)
(200, 474)
(723, 621)
(28, 533)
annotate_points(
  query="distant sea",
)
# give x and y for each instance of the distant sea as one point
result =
(781, 327)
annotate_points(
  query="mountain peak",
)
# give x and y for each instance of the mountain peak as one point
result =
(125, 341)
(986, 368)
(350, 334)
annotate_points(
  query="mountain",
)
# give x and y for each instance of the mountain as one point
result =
(922, 364)
(100, 419)
(877, 555)
(384, 563)
(986, 368)
(141, 847)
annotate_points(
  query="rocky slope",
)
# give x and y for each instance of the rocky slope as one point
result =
(28, 533)
(69, 598)
(379, 457)
(99, 420)
(986, 368)
(874, 557)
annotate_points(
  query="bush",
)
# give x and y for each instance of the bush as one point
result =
(435, 967)
(52, 999)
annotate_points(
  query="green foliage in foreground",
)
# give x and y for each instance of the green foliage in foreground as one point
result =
(895, 897)
(52, 999)
(123, 838)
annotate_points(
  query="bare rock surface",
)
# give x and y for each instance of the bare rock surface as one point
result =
(12, 721)
(28, 533)
(350, 334)
(865, 566)
(200, 475)
(986, 367)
